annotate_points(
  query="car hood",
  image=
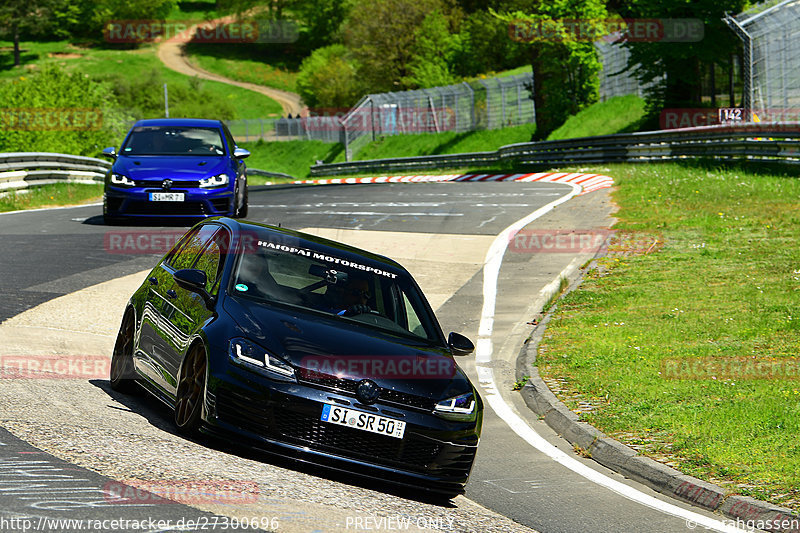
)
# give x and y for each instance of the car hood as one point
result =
(182, 167)
(324, 347)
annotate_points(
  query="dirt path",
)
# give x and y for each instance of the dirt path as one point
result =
(172, 55)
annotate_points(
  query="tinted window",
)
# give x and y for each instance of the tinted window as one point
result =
(363, 292)
(189, 249)
(212, 260)
(173, 140)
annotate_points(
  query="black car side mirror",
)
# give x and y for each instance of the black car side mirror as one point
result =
(194, 280)
(459, 344)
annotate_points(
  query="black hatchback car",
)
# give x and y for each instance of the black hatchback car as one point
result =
(306, 347)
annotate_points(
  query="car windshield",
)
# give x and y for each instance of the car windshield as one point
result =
(173, 140)
(315, 280)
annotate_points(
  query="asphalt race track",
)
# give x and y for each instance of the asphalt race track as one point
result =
(68, 446)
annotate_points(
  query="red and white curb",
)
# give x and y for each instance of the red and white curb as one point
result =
(587, 182)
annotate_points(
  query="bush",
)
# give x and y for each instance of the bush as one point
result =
(327, 78)
(54, 111)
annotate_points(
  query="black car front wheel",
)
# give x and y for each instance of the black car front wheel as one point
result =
(122, 374)
(191, 390)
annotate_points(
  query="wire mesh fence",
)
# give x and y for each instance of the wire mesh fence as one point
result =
(483, 104)
(616, 79)
(771, 36)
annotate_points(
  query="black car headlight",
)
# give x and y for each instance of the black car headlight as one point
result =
(219, 180)
(120, 180)
(461, 408)
(251, 354)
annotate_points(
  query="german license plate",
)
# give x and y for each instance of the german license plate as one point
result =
(166, 197)
(342, 416)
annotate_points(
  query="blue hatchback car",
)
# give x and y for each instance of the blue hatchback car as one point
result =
(176, 168)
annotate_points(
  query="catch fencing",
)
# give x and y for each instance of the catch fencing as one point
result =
(489, 103)
(771, 36)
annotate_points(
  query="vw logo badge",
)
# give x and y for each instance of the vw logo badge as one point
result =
(367, 391)
(166, 185)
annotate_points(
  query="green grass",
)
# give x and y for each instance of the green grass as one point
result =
(621, 114)
(289, 157)
(51, 195)
(195, 10)
(100, 62)
(722, 284)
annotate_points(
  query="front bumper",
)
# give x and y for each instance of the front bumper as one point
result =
(135, 202)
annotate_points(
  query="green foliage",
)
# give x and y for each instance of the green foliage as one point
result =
(57, 94)
(320, 20)
(433, 52)
(328, 78)
(486, 46)
(621, 114)
(143, 97)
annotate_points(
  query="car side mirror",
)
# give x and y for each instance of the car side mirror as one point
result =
(241, 153)
(459, 344)
(194, 280)
(110, 152)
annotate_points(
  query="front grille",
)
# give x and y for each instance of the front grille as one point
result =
(186, 184)
(411, 452)
(140, 207)
(349, 386)
(220, 204)
(242, 411)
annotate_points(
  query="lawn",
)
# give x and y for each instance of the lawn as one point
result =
(49, 195)
(621, 114)
(690, 352)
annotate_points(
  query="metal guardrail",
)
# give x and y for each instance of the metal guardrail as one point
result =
(24, 169)
(767, 142)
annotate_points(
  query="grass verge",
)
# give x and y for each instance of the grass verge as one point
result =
(51, 195)
(621, 114)
(645, 340)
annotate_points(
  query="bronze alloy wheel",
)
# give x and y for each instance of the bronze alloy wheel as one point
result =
(191, 388)
(122, 375)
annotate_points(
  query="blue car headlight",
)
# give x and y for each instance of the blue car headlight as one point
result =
(244, 351)
(460, 408)
(120, 180)
(220, 180)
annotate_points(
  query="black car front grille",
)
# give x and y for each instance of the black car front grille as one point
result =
(349, 387)
(246, 413)
(156, 184)
(411, 452)
(140, 207)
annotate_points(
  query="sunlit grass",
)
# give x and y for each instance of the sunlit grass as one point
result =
(51, 195)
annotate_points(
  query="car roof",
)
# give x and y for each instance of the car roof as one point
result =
(188, 122)
(305, 240)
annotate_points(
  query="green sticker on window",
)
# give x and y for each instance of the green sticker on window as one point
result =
(241, 287)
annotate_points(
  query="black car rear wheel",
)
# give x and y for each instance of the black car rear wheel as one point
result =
(191, 389)
(122, 374)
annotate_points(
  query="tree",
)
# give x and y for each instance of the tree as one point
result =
(563, 58)
(328, 78)
(320, 20)
(18, 16)
(681, 64)
(381, 35)
(433, 52)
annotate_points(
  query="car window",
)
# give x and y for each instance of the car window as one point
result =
(173, 140)
(212, 260)
(228, 138)
(334, 286)
(185, 256)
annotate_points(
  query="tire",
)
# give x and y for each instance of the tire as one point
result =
(240, 208)
(243, 207)
(122, 374)
(191, 392)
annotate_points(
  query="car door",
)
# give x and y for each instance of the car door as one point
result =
(187, 309)
(175, 307)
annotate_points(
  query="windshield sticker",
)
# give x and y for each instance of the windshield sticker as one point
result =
(326, 258)
(242, 287)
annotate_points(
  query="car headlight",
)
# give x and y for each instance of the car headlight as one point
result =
(251, 354)
(120, 180)
(461, 407)
(215, 181)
